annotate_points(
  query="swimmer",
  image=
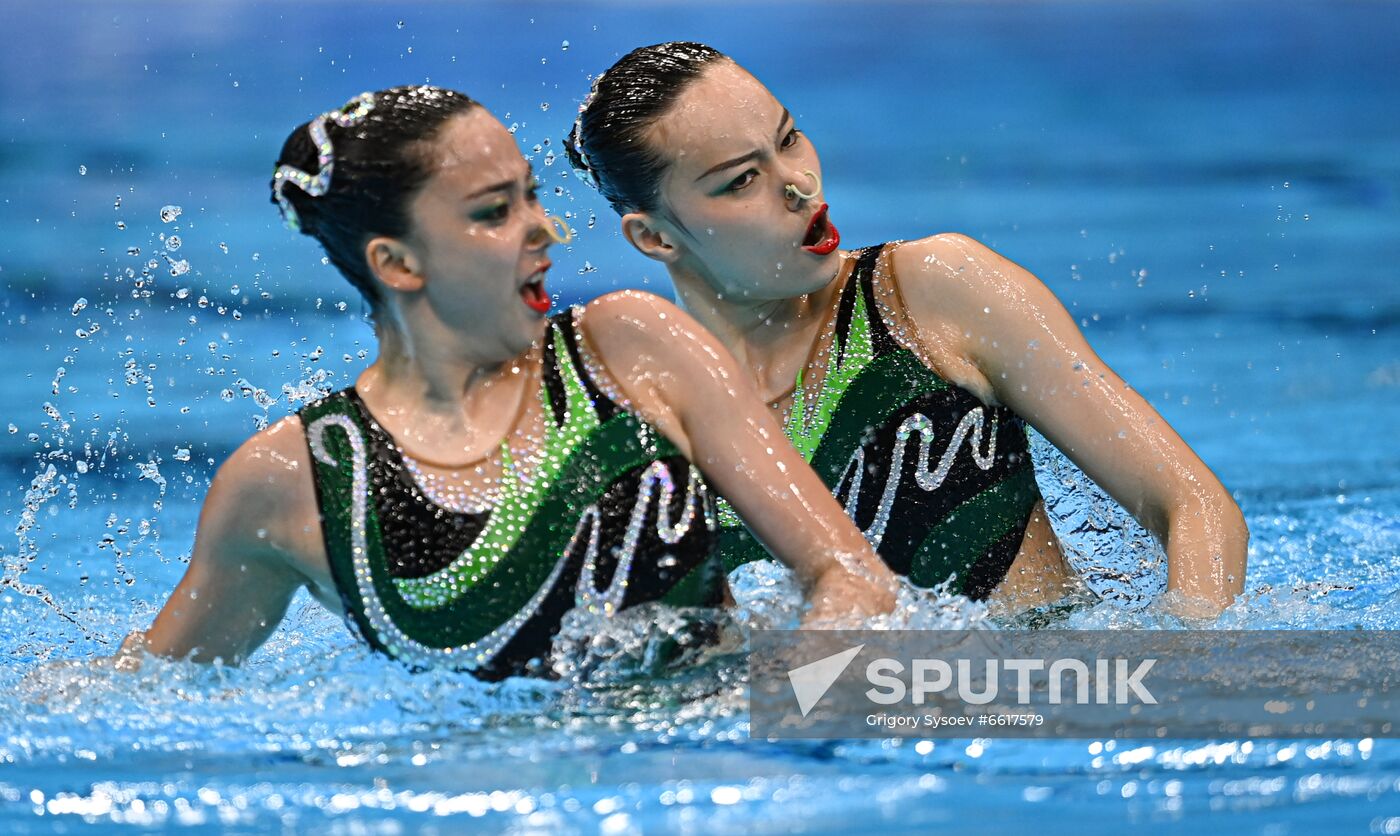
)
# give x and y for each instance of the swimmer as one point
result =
(495, 466)
(904, 372)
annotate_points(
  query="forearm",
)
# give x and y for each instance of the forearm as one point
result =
(1207, 545)
(785, 505)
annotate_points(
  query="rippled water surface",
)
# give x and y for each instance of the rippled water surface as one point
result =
(1213, 192)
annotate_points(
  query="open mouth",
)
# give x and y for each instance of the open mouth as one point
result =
(533, 294)
(822, 237)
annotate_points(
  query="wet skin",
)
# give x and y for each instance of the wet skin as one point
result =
(730, 233)
(458, 374)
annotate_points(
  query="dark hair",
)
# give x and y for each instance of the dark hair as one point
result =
(380, 160)
(609, 140)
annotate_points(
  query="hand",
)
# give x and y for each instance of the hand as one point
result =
(1190, 608)
(128, 657)
(843, 599)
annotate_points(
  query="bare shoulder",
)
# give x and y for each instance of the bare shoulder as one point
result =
(630, 329)
(963, 275)
(271, 467)
(623, 314)
(263, 495)
(667, 368)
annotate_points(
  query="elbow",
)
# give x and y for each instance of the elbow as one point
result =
(1208, 543)
(1206, 506)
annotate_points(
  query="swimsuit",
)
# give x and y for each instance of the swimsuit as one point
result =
(611, 516)
(940, 483)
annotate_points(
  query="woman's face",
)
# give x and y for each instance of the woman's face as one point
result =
(478, 232)
(733, 150)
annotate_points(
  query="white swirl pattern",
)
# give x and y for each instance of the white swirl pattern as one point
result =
(481, 652)
(974, 419)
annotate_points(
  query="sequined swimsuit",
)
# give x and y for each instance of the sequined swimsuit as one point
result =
(940, 483)
(612, 516)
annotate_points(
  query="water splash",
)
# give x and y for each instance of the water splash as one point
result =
(1116, 556)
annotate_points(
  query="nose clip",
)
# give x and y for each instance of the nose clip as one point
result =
(557, 230)
(791, 191)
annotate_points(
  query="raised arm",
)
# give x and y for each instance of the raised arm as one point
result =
(1037, 362)
(678, 376)
(242, 574)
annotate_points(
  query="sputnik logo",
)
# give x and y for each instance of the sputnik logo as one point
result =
(811, 681)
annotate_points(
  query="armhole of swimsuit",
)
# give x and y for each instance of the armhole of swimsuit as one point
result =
(343, 586)
(594, 373)
(907, 331)
(891, 308)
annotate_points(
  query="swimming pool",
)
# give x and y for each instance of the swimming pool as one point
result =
(1214, 192)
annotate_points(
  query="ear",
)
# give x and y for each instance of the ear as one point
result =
(644, 233)
(394, 263)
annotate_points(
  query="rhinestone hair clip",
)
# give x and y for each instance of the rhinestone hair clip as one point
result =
(319, 183)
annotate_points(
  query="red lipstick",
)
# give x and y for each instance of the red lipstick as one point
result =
(534, 295)
(822, 233)
(535, 298)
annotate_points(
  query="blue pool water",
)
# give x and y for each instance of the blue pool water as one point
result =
(1213, 191)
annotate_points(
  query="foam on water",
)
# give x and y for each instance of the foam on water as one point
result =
(315, 729)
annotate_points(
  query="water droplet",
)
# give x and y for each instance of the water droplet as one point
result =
(82, 170)
(182, 293)
(564, 46)
(179, 268)
(173, 243)
(169, 213)
(79, 305)
(82, 466)
(399, 25)
(182, 454)
(227, 394)
(544, 105)
(13, 429)
(133, 250)
(224, 247)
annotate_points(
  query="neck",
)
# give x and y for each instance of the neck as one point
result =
(771, 338)
(436, 393)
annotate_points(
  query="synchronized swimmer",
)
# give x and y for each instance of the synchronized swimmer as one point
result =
(494, 467)
(905, 372)
(856, 414)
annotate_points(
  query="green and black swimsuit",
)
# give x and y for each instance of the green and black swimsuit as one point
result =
(611, 517)
(940, 483)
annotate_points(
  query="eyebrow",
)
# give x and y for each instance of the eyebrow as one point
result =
(503, 186)
(782, 120)
(498, 187)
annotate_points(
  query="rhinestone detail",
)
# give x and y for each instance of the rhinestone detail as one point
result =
(974, 419)
(399, 644)
(519, 497)
(609, 601)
